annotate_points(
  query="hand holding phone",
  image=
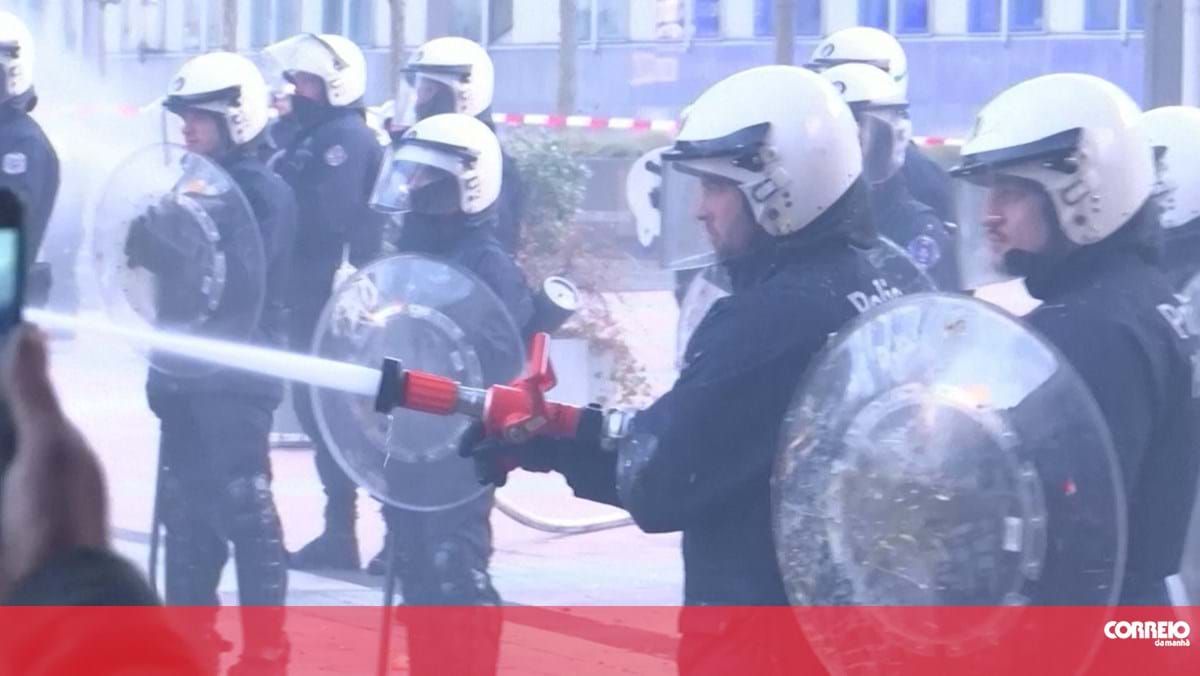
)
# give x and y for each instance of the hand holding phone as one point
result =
(12, 285)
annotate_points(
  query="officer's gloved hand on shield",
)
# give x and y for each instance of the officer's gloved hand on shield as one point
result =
(163, 239)
(355, 302)
(178, 249)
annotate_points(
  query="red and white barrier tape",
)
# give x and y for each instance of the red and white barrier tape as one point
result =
(517, 120)
(636, 124)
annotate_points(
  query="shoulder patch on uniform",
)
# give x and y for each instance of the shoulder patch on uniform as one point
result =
(924, 250)
(15, 163)
(335, 156)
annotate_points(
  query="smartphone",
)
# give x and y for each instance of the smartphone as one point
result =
(12, 293)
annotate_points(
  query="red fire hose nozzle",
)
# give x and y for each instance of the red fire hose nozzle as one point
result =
(514, 412)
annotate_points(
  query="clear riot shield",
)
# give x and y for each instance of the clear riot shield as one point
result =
(900, 270)
(177, 249)
(433, 317)
(706, 288)
(643, 194)
(940, 454)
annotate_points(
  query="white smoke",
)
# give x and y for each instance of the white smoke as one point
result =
(93, 121)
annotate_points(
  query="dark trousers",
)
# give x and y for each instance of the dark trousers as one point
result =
(216, 491)
(340, 495)
(443, 561)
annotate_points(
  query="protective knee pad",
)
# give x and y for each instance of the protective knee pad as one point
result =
(194, 554)
(258, 541)
(459, 576)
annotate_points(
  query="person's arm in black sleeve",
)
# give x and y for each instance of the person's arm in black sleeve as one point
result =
(716, 431)
(504, 277)
(1116, 371)
(365, 234)
(591, 474)
(512, 206)
(24, 161)
(929, 183)
(341, 173)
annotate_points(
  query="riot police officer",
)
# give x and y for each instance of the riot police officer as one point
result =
(215, 426)
(1174, 132)
(28, 164)
(774, 156)
(881, 108)
(861, 44)
(331, 163)
(445, 178)
(456, 75)
(1069, 174)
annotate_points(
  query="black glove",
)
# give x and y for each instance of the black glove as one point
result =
(494, 458)
(158, 242)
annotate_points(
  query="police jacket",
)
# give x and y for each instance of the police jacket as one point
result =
(929, 183)
(29, 167)
(699, 459)
(916, 228)
(332, 164)
(475, 248)
(1113, 314)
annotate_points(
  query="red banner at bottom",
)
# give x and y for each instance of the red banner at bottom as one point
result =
(603, 640)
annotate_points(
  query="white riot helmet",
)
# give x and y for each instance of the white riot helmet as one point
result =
(862, 44)
(336, 60)
(227, 84)
(781, 134)
(1175, 130)
(881, 108)
(1077, 136)
(16, 56)
(442, 165)
(462, 66)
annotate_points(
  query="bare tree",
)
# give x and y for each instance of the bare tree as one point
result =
(785, 33)
(568, 36)
(229, 28)
(397, 49)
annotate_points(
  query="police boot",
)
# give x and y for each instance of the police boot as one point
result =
(263, 661)
(379, 563)
(331, 550)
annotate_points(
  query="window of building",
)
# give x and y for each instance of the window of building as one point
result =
(1137, 14)
(612, 19)
(272, 20)
(352, 18)
(806, 17)
(983, 16)
(500, 19)
(874, 13)
(912, 16)
(1102, 15)
(1105, 15)
(706, 18)
(1025, 15)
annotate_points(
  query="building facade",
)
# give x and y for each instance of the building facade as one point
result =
(636, 58)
